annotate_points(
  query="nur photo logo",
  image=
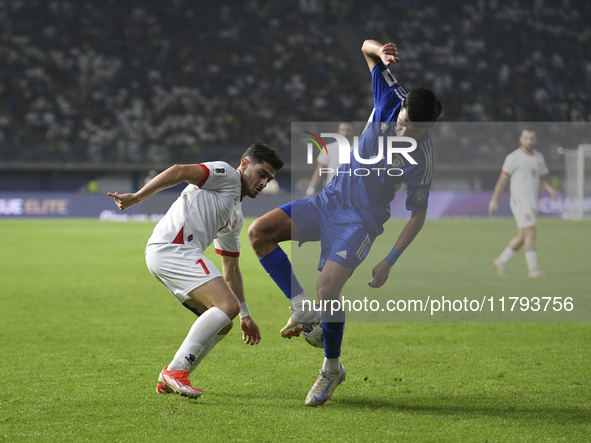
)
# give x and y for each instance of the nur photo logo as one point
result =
(392, 148)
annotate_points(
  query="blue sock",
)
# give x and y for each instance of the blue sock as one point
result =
(278, 267)
(332, 332)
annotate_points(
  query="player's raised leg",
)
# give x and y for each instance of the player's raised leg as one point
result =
(328, 288)
(265, 234)
(222, 306)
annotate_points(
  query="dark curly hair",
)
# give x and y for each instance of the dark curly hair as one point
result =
(261, 152)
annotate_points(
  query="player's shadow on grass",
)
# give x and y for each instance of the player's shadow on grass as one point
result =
(556, 414)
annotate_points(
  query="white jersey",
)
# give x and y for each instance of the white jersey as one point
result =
(330, 160)
(210, 212)
(525, 171)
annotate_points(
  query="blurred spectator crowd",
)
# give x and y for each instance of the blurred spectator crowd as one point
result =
(181, 81)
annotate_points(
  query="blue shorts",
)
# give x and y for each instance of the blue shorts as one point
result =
(343, 241)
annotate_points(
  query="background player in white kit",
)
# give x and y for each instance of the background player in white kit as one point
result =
(329, 160)
(526, 169)
(207, 211)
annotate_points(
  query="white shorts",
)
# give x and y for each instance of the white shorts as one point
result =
(525, 215)
(181, 268)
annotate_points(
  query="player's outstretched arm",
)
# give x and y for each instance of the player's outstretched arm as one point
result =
(375, 52)
(233, 276)
(493, 204)
(382, 270)
(170, 177)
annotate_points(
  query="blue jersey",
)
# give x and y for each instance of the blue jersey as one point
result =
(364, 192)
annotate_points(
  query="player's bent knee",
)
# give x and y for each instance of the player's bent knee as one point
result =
(327, 292)
(270, 229)
(261, 237)
(230, 307)
(226, 329)
(258, 235)
(254, 234)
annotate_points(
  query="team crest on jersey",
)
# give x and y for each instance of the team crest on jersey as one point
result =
(397, 162)
(219, 172)
(234, 224)
(384, 127)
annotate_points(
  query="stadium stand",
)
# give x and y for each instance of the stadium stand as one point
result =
(128, 85)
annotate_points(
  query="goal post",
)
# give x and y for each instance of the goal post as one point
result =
(577, 182)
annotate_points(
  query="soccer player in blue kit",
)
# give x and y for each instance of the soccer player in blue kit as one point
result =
(350, 212)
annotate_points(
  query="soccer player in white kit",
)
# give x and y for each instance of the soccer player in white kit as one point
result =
(526, 169)
(207, 211)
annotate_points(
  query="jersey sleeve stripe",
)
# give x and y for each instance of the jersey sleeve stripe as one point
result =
(227, 253)
(205, 177)
(401, 93)
(506, 173)
(427, 149)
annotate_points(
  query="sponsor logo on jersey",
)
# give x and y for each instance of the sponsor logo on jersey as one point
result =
(342, 254)
(219, 172)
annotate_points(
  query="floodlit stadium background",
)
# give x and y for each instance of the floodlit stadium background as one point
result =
(96, 96)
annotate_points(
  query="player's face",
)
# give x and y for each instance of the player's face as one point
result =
(528, 140)
(404, 127)
(346, 130)
(255, 177)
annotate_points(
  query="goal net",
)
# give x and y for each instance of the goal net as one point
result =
(577, 182)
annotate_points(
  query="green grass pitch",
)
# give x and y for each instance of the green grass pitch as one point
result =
(85, 330)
